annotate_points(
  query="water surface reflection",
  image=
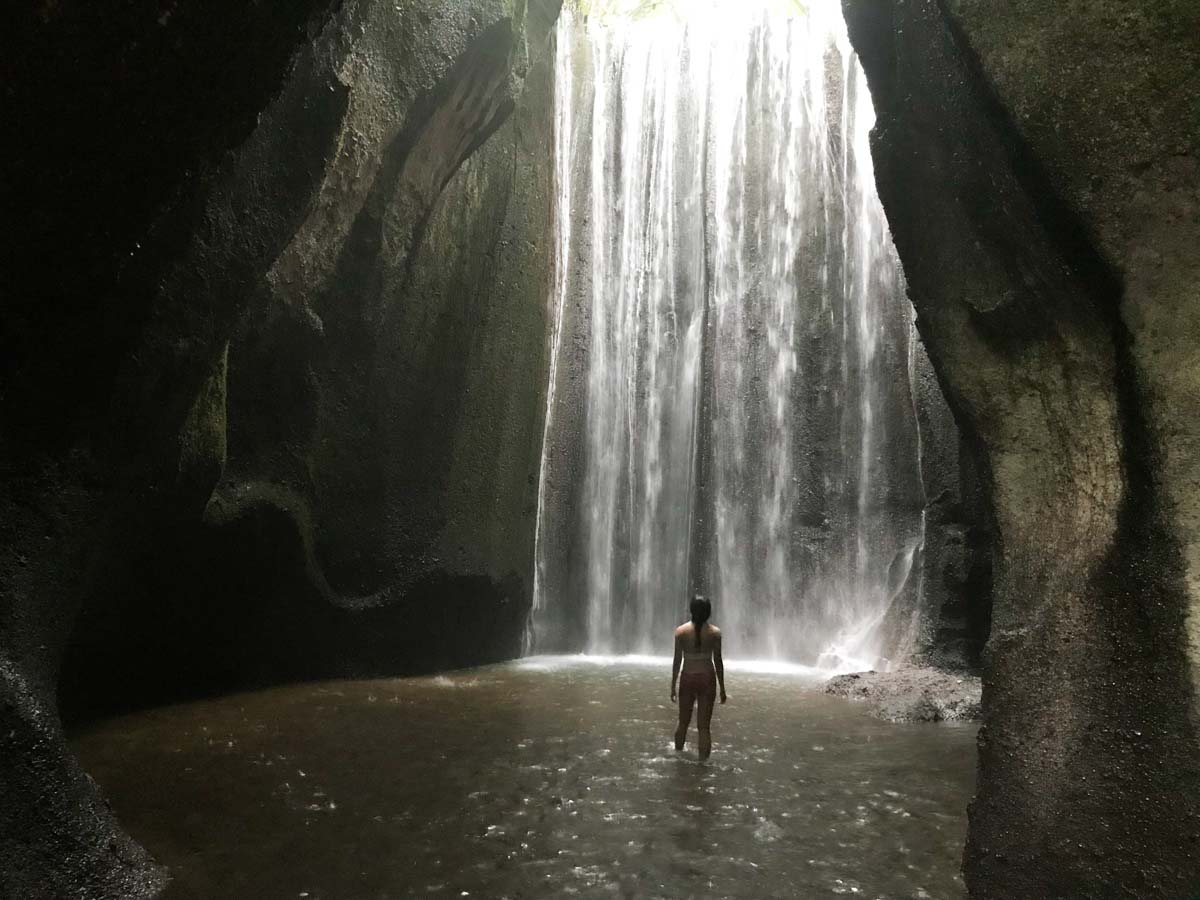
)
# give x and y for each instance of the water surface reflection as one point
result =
(533, 779)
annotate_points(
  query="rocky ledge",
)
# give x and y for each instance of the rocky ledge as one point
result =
(913, 694)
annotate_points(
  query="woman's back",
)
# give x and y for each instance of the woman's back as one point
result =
(697, 655)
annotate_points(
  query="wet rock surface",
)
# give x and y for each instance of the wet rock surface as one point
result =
(250, 254)
(120, 117)
(1039, 176)
(208, 214)
(353, 487)
(912, 694)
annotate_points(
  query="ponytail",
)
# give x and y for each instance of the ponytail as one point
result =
(700, 609)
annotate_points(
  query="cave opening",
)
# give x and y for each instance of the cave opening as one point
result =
(379, 379)
(734, 401)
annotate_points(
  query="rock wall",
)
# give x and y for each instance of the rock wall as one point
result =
(375, 508)
(954, 579)
(274, 362)
(1040, 175)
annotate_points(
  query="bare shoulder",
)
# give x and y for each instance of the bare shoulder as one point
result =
(683, 629)
(716, 632)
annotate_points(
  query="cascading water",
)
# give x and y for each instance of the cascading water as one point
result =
(729, 405)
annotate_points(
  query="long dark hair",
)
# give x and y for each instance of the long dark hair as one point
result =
(701, 609)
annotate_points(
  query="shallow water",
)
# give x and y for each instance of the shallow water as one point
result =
(535, 779)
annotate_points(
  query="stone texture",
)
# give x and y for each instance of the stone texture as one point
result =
(912, 694)
(940, 612)
(120, 120)
(205, 229)
(954, 612)
(383, 382)
(1038, 169)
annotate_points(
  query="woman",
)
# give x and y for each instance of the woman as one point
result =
(698, 647)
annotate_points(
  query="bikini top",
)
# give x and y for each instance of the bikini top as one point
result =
(704, 654)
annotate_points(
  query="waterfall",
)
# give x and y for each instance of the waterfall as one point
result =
(729, 407)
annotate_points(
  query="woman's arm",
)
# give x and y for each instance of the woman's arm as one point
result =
(675, 667)
(718, 663)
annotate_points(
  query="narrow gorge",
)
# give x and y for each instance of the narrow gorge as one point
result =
(380, 380)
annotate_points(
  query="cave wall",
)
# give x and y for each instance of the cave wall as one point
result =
(375, 507)
(234, 241)
(1039, 171)
(949, 604)
(119, 121)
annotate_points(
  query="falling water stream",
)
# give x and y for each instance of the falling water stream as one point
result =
(729, 294)
(729, 411)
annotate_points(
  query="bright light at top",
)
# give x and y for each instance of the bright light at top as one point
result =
(714, 19)
(709, 11)
(693, 10)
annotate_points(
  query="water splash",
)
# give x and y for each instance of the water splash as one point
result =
(736, 314)
(564, 152)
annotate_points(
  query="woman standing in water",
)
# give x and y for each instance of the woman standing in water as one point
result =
(698, 648)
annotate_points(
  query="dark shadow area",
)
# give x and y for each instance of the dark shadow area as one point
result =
(212, 611)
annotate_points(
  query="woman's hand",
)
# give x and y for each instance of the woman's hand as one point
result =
(723, 697)
(672, 693)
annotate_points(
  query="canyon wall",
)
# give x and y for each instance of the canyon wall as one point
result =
(1040, 173)
(375, 501)
(275, 347)
(274, 362)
